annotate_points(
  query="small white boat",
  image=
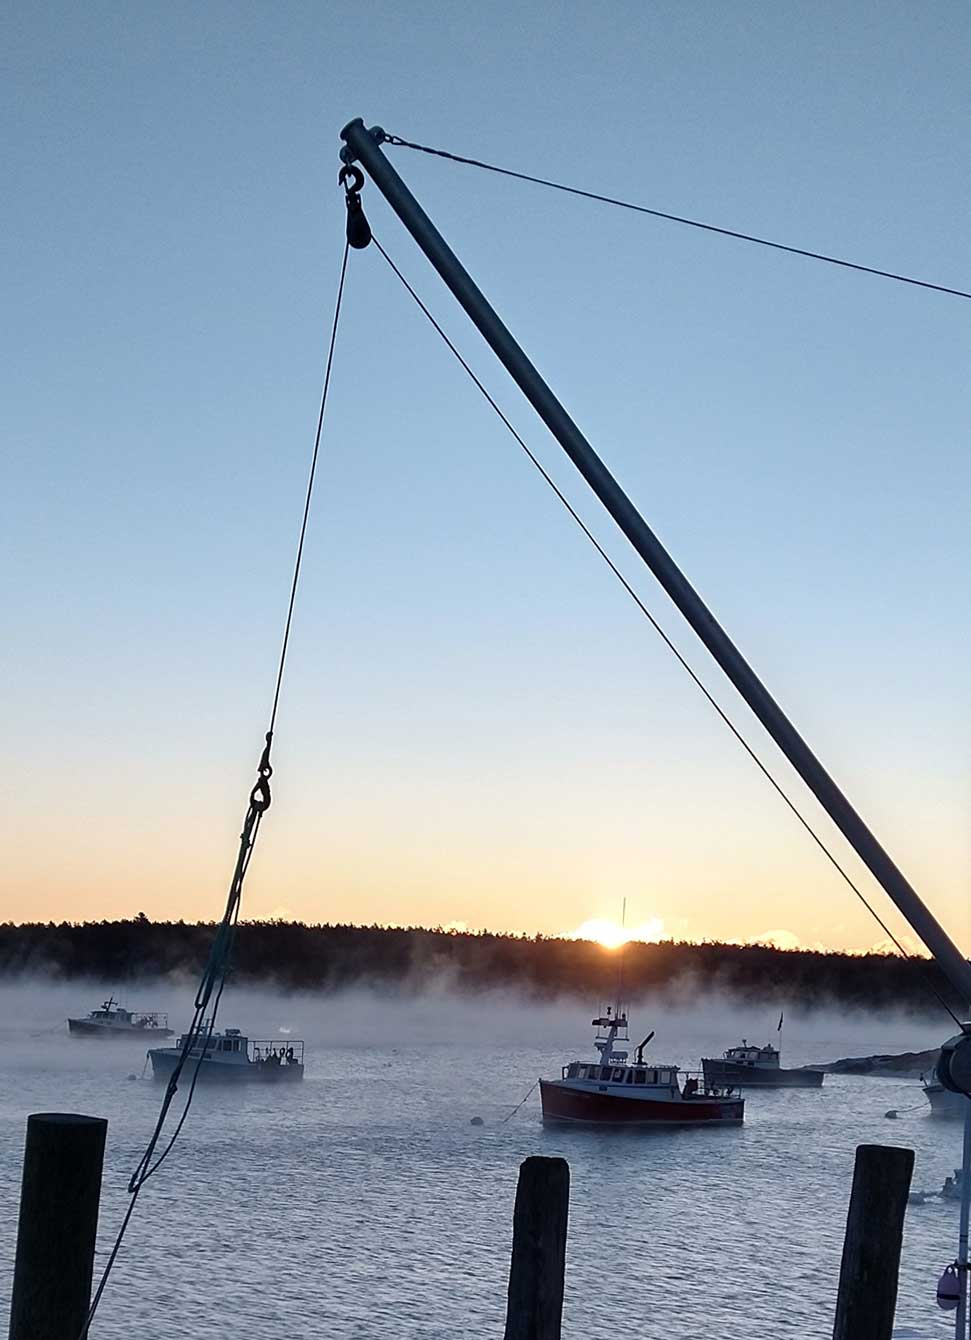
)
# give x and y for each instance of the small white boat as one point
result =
(944, 1102)
(232, 1058)
(112, 1021)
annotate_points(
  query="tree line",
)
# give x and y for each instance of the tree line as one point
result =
(293, 956)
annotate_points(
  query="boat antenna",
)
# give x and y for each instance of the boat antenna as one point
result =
(620, 956)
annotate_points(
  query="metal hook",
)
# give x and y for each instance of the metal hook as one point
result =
(358, 229)
(351, 170)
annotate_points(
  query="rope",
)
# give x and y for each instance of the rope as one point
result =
(679, 657)
(196, 1041)
(509, 1116)
(679, 218)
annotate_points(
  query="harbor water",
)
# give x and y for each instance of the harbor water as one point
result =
(365, 1203)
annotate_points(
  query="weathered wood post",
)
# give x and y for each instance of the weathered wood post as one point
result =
(535, 1307)
(59, 1198)
(871, 1249)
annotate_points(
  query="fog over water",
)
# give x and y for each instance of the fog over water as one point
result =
(363, 1203)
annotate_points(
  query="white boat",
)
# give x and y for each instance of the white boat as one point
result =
(614, 1091)
(112, 1021)
(944, 1102)
(232, 1058)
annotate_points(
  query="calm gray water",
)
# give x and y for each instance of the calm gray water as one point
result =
(364, 1204)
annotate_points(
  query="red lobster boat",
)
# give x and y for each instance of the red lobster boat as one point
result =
(615, 1092)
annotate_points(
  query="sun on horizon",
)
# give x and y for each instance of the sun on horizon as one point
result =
(611, 934)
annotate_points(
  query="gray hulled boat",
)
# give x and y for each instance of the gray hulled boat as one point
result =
(232, 1058)
(750, 1067)
(113, 1021)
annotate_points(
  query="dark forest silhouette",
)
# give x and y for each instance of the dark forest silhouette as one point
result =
(294, 956)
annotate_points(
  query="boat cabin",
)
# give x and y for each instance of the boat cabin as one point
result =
(753, 1056)
(113, 1015)
(664, 1076)
(231, 1047)
(614, 1069)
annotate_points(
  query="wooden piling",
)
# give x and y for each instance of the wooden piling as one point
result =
(59, 1198)
(535, 1306)
(871, 1249)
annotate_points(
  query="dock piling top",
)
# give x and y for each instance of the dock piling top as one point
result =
(59, 1201)
(536, 1277)
(867, 1298)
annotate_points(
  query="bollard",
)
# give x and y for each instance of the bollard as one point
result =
(59, 1198)
(535, 1306)
(867, 1296)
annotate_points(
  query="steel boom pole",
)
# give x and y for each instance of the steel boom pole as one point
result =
(363, 145)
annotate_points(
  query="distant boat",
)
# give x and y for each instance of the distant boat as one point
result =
(230, 1057)
(112, 1021)
(615, 1092)
(752, 1067)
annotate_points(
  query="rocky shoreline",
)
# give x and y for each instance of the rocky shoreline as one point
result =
(906, 1065)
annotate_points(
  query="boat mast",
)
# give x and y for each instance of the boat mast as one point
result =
(364, 146)
(618, 1006)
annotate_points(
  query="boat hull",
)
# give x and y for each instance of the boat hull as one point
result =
(563, 1103)
(728, 1074)
(214, 1071)
(86, 1028)
(944, 1103)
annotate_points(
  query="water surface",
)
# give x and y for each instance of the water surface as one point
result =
(364, 1203)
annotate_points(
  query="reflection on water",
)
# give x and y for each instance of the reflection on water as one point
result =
(363, 1203)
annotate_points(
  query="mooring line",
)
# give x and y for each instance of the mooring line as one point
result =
(509, 1116)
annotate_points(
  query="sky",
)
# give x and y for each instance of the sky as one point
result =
(478, 728)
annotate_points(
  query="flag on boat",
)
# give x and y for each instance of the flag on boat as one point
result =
(779, 1027)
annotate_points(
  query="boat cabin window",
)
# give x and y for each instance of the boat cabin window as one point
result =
(618, 1074)
(639, 1076)
(605, 1072)
(653, 1076)
(629, 1077)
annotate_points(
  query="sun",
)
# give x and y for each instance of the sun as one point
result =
(612, 935)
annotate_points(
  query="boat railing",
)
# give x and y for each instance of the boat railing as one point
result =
(696, 1084)
(284, 1051)
(150, 1018)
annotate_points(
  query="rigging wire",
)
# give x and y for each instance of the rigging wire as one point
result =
(668, 642)
(196, 1041)
(678, 218)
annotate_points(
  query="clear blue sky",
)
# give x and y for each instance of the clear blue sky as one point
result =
(477, 726)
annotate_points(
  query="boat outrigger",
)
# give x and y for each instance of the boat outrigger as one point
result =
(750, 1067)
(112, 1021)
(614, 1091)
(231, 1057)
